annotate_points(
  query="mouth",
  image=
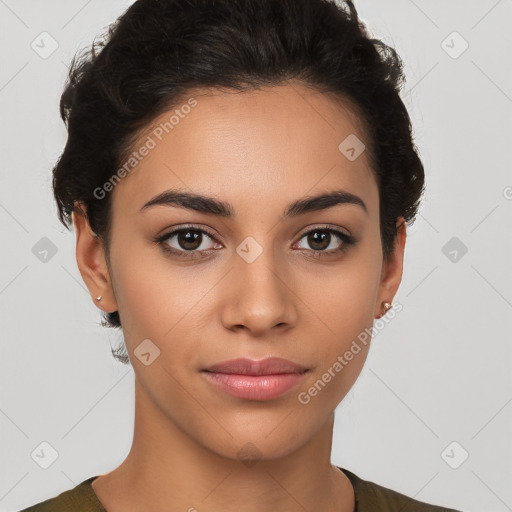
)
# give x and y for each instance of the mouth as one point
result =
(256, 380)
(269, 366)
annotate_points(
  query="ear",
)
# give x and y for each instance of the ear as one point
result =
(391, 275)
(92, 263)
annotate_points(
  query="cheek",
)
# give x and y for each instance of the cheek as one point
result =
(341, 301)
(340, 315)
(342, 341)
(151, 293)
(161, 302)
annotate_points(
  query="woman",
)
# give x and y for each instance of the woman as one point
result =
(239, 175)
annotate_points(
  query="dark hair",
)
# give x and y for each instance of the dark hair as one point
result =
(153, 55)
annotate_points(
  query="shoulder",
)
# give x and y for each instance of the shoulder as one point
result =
(371, 496)
(79, 499)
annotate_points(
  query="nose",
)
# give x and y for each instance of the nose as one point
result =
(259, 297)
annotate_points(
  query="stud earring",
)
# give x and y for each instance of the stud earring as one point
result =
(387, 307)
(98, 298)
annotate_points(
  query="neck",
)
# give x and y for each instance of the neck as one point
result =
(171, 471)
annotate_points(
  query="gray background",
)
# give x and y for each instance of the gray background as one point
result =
(439, 373)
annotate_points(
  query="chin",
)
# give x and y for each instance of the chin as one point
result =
(261, 441)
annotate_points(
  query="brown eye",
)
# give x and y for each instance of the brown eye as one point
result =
(187, 242)
(319, 240)
(323, 240)
(189, 239)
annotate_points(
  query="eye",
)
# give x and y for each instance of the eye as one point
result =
(323, 241)
(189, 242)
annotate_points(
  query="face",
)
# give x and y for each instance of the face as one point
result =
(260, 282)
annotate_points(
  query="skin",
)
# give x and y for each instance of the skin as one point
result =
(260, 151)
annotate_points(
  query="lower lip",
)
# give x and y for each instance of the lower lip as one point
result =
(255, 387)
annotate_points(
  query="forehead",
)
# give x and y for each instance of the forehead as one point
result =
(258, 145)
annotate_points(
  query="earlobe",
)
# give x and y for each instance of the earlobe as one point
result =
(385, 307)
(91, 261)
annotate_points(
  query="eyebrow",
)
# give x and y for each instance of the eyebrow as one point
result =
(212, 206)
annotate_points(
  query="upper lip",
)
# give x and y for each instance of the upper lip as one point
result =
(269, 366)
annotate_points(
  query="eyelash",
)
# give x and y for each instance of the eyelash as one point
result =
(161, 241)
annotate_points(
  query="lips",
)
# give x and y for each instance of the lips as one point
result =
(269, 366)
(249, 379)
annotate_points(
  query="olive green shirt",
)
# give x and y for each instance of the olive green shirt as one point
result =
(370, 497)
